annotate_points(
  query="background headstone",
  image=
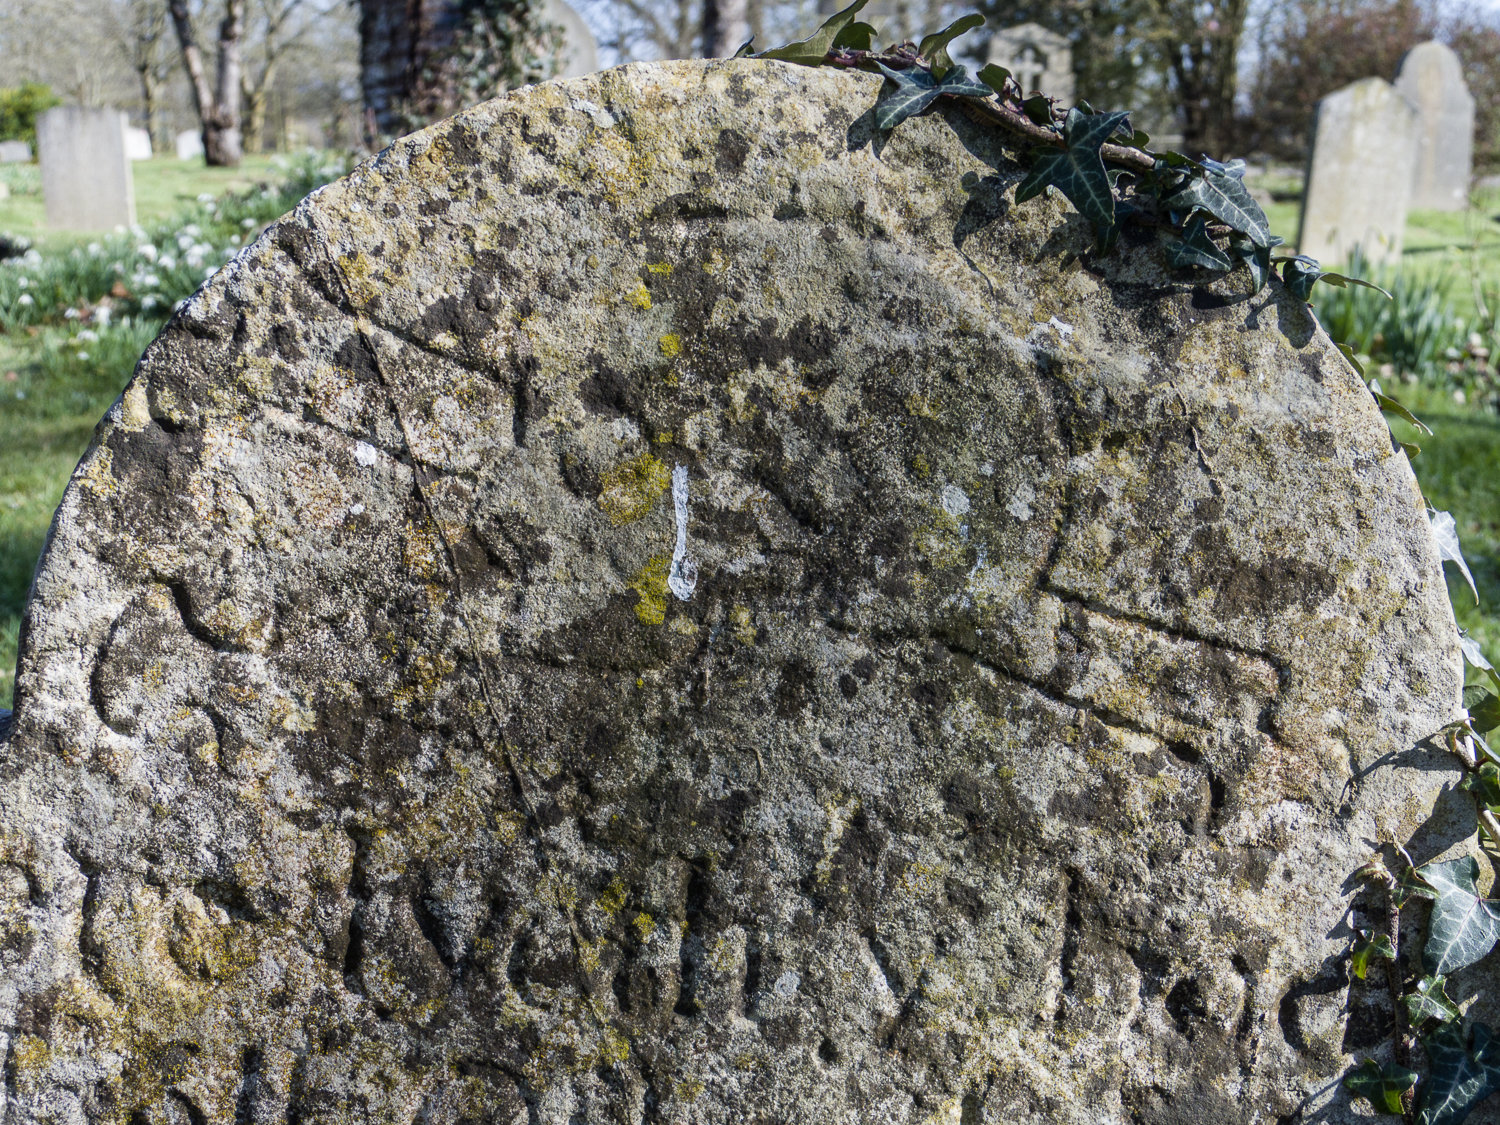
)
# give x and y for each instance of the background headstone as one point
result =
(86, 180)
(189, 144)
(579, 53)
(1039, 59)
(1432, 78)
(15, 152)
(137, 143)
(634, 606)
(1359, 174)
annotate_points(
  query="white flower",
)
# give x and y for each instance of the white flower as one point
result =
(101, 315)
(247, 224)
(167, 262)
(23, 282)
(150, 301)
(149, 281)
(205, 197)
(147, 250)
(234, 240)
(83, 356)
(87, 336)
(71, 314)
(25, 299)
(208, 273)
(95, 249)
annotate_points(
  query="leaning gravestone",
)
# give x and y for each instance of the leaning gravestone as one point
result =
(86, 181)
(1038, 59)
(642, 604)
(1432, 78)
(1360, 173)
(578, 50)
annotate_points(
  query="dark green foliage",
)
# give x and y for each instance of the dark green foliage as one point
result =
(1430, 1002)
(813, 51)
(1078, 170)
(916, 90)
(1461, 1076)
(1381, 1085)
(20, 106)
(1197, 249)
(1220, 191)
(1464, 926)
(934, 48)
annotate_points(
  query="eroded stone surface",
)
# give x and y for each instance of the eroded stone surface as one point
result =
(645, 604)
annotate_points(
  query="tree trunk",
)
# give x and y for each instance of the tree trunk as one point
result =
(148, 101)
(219, 115)
(725, 26)
(256, 97)
(400, 44)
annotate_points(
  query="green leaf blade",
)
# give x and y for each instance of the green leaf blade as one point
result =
(915, 91)
(1460, 1077)
(1430, 1002)
(934, 48)
(1382, 1086)
(1197, 248)
(813, 50)
(1224, 196)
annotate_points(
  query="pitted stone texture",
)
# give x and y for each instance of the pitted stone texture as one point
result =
(1062, 638)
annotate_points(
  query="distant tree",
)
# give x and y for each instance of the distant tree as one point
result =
(218, 105)
(273, 30)
(1307, 49)
(141, 26)
(424, 59)
(1474, 33)
(19, 108)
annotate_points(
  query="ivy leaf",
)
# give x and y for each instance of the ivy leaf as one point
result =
(1178, 160)
(1484, 714)
(1430, 1002)
(1348, 353)
(1381, 1085)
(1235, 168)
(994, 76)
(1370, 945)
(1411, 449)
(934, 48)
(1445, 535)
(1221, 193)
(1257, 259)
(1393, 406)
(1078, 170)
(1038, 107)
(814, 49)
(1464, 927)
(856, 37)
(1460, 1077)
(1197, 248)
(916, 90)
(747, 49)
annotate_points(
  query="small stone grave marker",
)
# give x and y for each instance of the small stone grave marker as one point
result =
(189, 144)
(86, 178)
(1432, 79)
(137, 144)
(15, 152)
(578, 53)
(1359, 178)
(1039, 59)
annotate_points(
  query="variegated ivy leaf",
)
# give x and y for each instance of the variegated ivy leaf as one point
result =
(1197, 248)
(1430, 1002)
(1460, 1076)
(916, 90)
(1078, 170)
(1370, 945)
(813, 50)
(1392, 406)
(1484, 714)
(1381, 1085)
(934, 48)
(1464, 927)
(1445, 535)
(1220, 192)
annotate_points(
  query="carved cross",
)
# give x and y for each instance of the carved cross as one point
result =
(1030, 66)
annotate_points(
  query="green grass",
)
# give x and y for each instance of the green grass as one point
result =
(164, 186)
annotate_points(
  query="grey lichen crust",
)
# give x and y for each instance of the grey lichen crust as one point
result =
(648, 603)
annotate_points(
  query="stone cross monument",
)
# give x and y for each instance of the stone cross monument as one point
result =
(1040, 60)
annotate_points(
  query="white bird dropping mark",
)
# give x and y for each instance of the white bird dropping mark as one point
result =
(683, 577)
(1063, 330)
(364, 453)
(787, 984)
(955, 502)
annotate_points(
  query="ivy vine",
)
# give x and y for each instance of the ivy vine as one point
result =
(1104, 168)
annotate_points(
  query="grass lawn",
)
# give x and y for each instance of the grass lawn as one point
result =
(164, 186)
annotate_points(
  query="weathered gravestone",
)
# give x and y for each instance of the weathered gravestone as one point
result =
(1037, 58)
(1432, 78)
(640, 605)
(15, 152)
(1359, 174)
(86, 181)
(577, 51)
(137, 144)
(189, 143)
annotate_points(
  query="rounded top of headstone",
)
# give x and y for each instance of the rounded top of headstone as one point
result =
(651, 601)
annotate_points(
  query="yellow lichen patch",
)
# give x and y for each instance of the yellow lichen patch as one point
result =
(741, 625)
(421, 551)
(717, 264)
(97, 473)
(639, 297)
(650, 583)
(612, 901)
(920, 467)
(632, 487)
(670, 345)
(921, 406)
(645, 926)
(424, 677)
(664, 268)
